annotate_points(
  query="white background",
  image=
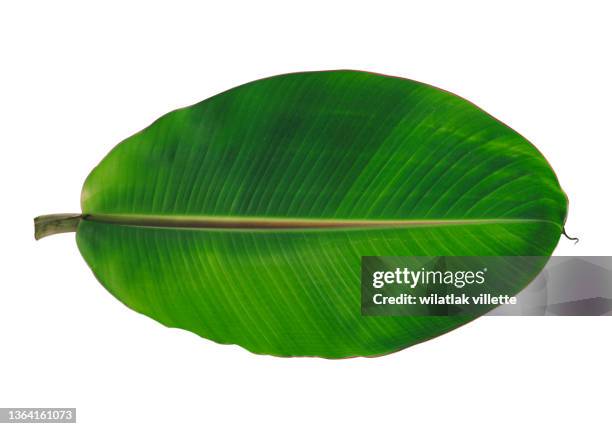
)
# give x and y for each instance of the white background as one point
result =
(78, 77)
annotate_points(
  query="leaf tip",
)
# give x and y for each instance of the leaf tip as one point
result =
(574, 239)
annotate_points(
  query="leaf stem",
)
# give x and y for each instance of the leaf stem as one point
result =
(55, 224)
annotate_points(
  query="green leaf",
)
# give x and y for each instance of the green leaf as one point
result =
(243, 218)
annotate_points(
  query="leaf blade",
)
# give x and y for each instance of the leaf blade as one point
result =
(251, 307)
(174, 213)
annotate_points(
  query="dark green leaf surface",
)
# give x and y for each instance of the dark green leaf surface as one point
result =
(243, 218)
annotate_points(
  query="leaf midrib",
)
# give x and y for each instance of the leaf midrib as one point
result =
(272, 223)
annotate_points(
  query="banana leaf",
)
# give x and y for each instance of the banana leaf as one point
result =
(243, 218)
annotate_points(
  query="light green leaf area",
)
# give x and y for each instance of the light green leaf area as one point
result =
(244, 218)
